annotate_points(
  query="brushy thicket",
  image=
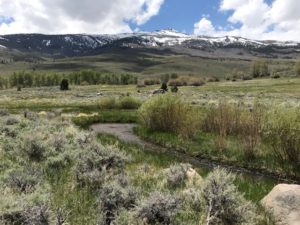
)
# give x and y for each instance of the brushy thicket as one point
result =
(126, 102)
(279, 128)
(186, 81)
(228, 119)
(169, 113)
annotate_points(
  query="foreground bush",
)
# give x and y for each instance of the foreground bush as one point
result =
(168, 113)
(97, 164)
(24, 180)
(158, 208)
(177, 174)
(115, 196)
(225, 205)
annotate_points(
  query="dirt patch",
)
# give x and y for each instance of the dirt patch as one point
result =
(123, 131)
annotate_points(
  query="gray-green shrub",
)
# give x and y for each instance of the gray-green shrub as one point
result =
(97, 163)
(115, 196)
(12, 121)
(177, 174)
(23, 179)
(158, 208)
(225, 205)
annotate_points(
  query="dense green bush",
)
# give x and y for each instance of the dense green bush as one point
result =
(108, 103)
(170, 114)
(128, 103)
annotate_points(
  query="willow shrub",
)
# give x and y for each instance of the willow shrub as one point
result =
(169, 113)
(282, 131)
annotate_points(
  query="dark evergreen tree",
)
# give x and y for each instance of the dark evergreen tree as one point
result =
(64, 85)
(164, 87)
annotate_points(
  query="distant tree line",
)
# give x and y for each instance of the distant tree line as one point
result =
(85, 77)
(259, 68)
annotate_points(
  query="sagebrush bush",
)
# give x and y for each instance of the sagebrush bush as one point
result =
(4, 112)
(12, 121)
(158, 208)
(34, 147)
(225, 205)
(58, 162)
(177, 174)
(115, 196)
(169, 113)
(29, 209)
(23, 179)
(192, 199)
(98, 163)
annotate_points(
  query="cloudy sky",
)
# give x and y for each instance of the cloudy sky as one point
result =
(257, 19)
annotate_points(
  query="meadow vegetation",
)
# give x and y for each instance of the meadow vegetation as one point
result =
(66, 175)
(232, 133)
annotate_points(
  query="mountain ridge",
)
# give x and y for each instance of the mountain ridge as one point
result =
(69, 45)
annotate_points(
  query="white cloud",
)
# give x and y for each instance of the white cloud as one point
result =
(76, 16)
(258, 20)
(204, 26)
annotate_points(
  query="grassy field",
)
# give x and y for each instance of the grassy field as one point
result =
(63, 183)
(285, 91)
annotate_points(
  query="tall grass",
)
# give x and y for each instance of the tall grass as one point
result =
(169, 113)
(282, 133)
(228, 119)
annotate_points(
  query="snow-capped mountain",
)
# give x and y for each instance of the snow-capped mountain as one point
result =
(84, 44)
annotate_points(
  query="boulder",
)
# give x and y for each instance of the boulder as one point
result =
(284, 203)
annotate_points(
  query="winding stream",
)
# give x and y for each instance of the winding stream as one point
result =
(124, 131)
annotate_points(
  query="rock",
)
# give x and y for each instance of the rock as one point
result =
(284, 203)
(193, 178)
(159, 91)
